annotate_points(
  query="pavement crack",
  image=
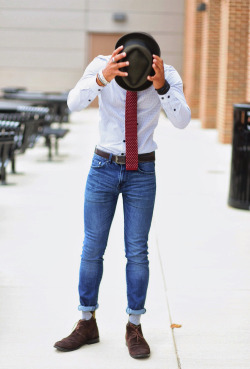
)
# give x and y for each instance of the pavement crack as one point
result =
(166, 295)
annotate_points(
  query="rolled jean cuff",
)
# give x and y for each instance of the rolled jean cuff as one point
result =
(135, 312)
(88, 308)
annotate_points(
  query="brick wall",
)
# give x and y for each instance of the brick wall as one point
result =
(217, 71)
(233, 69)
(209, 65)
(191, 60)
(248, 71)
(223, 58)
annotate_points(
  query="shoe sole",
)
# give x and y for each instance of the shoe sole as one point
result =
(90, 342)
(141, 356)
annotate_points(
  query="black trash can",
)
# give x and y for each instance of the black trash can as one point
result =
(239, 192)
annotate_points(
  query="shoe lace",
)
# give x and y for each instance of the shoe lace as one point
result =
(77, 325)
(136, 334)
(78, 328)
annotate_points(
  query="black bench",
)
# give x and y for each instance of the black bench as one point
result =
(56, 102)
(53, 133)
(9, 134)
(58, 110)
(31, 118)
(36, 122)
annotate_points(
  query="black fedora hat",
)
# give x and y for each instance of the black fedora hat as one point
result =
(139, 47)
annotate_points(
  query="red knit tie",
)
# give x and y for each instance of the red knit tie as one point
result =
(131, 131)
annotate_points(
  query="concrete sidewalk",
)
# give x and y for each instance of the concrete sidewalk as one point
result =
(199, 259)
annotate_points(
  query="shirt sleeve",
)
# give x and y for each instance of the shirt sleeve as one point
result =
(173, 102)
(86, 88)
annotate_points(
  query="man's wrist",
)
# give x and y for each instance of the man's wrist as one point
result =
(99, 82)
(102, 79)
(164, 89)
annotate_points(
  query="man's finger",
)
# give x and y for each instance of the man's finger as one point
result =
(157, 58)
(120, 56)
(116, 58)
(122, 64)
(117, 51)
(158, 61)
(156, 67)
(150, 78)
(158, 64)
(122, 74)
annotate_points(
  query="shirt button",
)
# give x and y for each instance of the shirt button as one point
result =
(168, 96)
(99, 89)
(122, 153)
(174, 109)
(162, 98)
(124, 140)
(89, 100)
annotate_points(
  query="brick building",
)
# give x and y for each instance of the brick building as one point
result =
(216, 68)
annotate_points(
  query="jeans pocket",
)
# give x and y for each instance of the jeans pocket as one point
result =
(147, 167)
(98, 161)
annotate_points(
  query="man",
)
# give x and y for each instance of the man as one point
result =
(132, 85)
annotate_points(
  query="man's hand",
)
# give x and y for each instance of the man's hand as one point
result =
(159, 78)
(112, 69)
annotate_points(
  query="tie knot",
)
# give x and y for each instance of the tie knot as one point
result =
(132, 94)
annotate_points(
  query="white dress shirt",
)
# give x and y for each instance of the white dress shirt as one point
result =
(112, 107)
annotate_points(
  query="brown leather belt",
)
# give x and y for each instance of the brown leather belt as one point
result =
(121, 159)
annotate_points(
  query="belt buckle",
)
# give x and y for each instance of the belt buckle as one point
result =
(120, 159)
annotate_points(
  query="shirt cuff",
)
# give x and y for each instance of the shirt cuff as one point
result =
(164, 89)
(96, 89)
(169, 101)
(91, 88)
(92, 85)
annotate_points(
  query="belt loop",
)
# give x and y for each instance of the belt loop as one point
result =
(110, 158)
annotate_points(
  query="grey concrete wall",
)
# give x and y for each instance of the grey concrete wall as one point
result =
(43, 43)
(162, 18)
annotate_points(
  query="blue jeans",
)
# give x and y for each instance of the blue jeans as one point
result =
(106, 180)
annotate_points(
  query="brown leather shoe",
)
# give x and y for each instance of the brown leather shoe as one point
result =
(137, 345)
(86, 332)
